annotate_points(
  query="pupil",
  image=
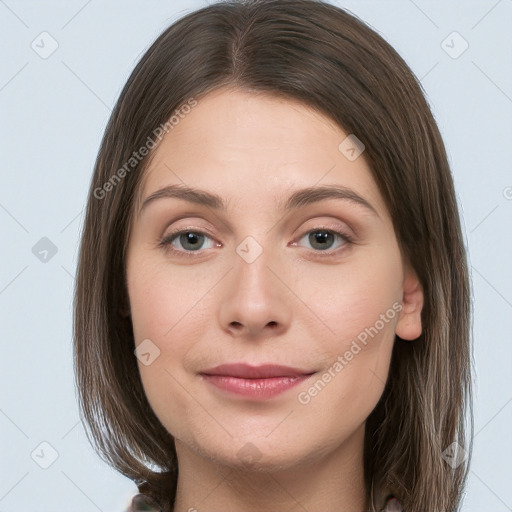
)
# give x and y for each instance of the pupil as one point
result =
(191, 238)
(321, 237)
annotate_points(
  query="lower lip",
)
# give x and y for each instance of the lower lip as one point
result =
(255, 388)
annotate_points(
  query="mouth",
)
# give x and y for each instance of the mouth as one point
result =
(257, 382)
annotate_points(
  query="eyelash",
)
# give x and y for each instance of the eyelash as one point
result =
(165, 243)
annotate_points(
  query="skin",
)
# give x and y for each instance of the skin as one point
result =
(289, 306)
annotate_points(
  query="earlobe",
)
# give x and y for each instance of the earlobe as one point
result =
(409, 325)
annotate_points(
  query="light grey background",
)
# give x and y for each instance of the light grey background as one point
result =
(54, 111)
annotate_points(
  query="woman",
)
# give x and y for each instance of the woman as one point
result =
(272, 306)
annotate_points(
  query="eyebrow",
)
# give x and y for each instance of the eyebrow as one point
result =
(297, 199)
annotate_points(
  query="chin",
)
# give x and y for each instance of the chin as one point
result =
(261, 453)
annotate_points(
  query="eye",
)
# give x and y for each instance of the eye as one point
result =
(322, 240)
(191, 241)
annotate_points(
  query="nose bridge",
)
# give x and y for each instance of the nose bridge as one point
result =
(255, 298)
(252, 268)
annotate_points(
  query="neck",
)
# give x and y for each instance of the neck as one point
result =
(329, 481)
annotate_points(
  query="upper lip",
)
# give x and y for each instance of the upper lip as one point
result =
(246, 371)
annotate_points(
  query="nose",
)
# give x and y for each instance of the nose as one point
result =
(256, 302)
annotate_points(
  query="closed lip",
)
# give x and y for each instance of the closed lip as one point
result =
(264, 371)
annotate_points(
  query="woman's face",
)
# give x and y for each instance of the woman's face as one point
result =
(315, 283)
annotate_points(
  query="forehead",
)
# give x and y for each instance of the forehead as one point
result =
(238, 143)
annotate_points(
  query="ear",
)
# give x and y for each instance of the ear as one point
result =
(409, 326)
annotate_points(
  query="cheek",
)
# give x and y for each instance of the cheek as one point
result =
(167, 309)
(358, 305)
(161, 298)
(351, 297)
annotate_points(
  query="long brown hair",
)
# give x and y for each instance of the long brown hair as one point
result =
(330, 60)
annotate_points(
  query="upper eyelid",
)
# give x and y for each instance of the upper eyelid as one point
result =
(175, 234)
(209, 233)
